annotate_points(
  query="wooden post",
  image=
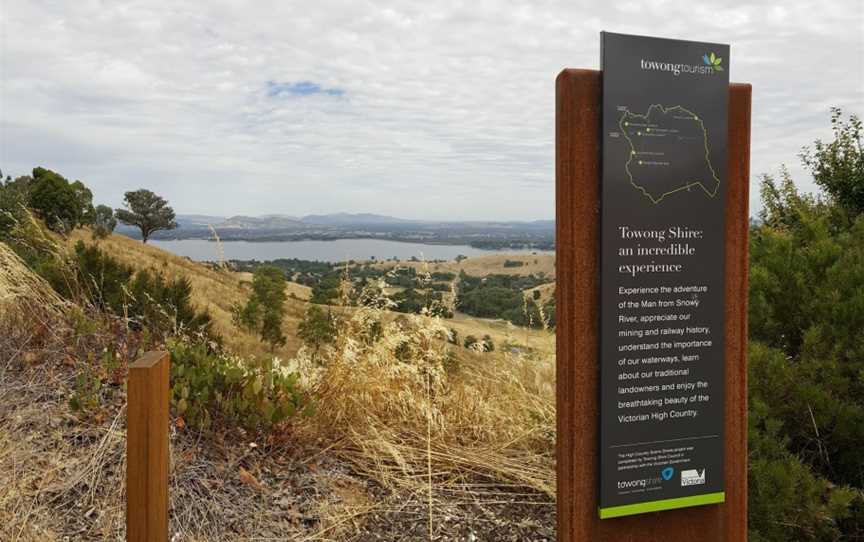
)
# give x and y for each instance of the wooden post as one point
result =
(147, 449)
(577, 172)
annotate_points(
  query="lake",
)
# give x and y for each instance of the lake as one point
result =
(327, 251)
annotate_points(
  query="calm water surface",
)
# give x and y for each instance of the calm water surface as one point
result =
(327, 251)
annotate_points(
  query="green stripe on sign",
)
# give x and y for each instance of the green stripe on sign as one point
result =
(665, 504)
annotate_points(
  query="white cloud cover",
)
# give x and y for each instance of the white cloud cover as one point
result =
(440, 110)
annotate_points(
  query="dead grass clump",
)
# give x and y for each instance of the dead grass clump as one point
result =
(20, 285)
(413, 412)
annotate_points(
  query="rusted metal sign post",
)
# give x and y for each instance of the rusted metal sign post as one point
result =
(578, 159)
(147, 449)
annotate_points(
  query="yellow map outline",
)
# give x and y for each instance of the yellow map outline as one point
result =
(632, 153)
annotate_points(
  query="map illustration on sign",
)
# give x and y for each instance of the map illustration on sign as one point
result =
(663, 143)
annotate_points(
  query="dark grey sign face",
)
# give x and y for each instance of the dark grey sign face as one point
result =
(665, 105)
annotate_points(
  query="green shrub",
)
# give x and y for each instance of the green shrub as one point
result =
(319, 328)
(165, 306)
(86, 396)
(97, 378)
(147, 299)
(264, 312)
(488, 345)
(208, 386)
(14, 198)
(806, 354)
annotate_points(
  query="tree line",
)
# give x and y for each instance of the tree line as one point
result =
(65, 206)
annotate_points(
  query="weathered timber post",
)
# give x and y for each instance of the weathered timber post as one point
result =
(147, 449)
(578, 159)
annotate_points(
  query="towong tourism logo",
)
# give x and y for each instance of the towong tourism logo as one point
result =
(639, 485)
(710, 63)
(713, 61)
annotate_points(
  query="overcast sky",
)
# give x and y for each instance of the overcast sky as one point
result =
(437, 110)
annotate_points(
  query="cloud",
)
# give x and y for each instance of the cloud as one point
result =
(428, 110)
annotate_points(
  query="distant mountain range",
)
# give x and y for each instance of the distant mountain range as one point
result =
(274, 221)
(276, 227)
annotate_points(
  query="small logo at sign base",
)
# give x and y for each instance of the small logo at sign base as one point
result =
(667, 473)
(692, 477)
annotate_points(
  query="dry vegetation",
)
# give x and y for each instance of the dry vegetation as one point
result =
(490, 415)
(547, 292)
(413, 438)
(541, 262)
(214, 291)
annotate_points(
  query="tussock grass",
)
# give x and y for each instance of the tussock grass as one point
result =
(18, 285)
(418, 414)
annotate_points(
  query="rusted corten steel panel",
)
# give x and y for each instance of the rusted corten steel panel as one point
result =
(577, 172)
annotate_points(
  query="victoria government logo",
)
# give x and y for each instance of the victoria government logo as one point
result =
(692, 477)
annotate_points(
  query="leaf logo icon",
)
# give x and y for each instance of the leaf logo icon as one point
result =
(714, 61)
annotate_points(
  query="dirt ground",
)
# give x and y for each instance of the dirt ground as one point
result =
(62, 478)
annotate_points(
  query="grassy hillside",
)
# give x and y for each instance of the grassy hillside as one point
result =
(214, 291)
(488, 265)
(403, 420)
(217, 291)
(547, 292)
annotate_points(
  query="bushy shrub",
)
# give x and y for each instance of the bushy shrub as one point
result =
(14, 199)
(265, 309)
(806, 419)
(147, 300)
(317, 329)
(208, 386)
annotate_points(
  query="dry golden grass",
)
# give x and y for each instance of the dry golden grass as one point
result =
(487, 265)
(408, 409)
(547, 292)
(212, 290)
(396, 408)
(19, 285)
(409, 414)
(292, 289)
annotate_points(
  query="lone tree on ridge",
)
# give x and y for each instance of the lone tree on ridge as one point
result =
(147, 211)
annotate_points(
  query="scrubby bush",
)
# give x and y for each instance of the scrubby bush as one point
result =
(502, 296)
(14, 200)
(317, 329)
(806, 354)
(145, 299)
(209, 386)
(265, 309)
(104, 222)
(164, 306)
